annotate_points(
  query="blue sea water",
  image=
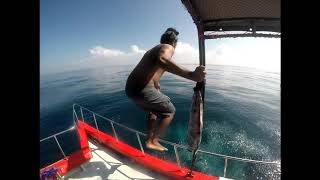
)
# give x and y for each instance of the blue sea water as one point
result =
(241, 115)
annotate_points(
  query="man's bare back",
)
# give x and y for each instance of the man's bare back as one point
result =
(148, 71)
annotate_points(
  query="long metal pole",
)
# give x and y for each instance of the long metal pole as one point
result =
(202, 61)
(202, 55)
(201, 37)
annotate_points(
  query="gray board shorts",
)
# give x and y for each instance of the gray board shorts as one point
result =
(151, 100)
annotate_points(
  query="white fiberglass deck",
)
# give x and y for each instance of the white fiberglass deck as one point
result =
(105, 164)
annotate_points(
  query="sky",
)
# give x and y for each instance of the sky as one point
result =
(77, 34)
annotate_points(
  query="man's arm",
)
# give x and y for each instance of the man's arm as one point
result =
(167, 64)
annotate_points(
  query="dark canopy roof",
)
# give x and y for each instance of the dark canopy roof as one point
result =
(235, 15)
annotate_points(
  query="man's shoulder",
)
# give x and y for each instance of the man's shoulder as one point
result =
(166, 47)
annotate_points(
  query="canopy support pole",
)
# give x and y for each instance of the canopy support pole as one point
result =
(202, 56)
(201, 85)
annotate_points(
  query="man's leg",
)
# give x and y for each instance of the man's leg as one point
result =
(158, 103)
(160, 130)
(151, 126)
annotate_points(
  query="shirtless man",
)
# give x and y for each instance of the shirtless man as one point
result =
(143, 86)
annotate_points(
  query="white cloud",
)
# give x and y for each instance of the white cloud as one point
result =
(183, 48)
(135, 49)
(103, 56)
(102, 52)
(258, 55)
(99, 51)
(185, 53)
(263, 55)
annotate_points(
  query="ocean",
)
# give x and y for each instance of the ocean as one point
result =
(241, 115)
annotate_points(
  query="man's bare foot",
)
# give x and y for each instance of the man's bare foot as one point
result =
(156, 142)
(153, 146)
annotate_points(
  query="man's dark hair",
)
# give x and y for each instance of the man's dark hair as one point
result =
(169, 36)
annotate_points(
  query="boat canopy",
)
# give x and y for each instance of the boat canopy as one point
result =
(235, 18)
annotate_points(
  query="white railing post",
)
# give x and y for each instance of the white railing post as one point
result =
(177, 156)
(225, 167)
(74, 112)
(114, 131)
(95, 121)
(81, 114)
(59, 146)
(140, 143)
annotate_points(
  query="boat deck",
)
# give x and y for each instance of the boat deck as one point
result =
(106, 164)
